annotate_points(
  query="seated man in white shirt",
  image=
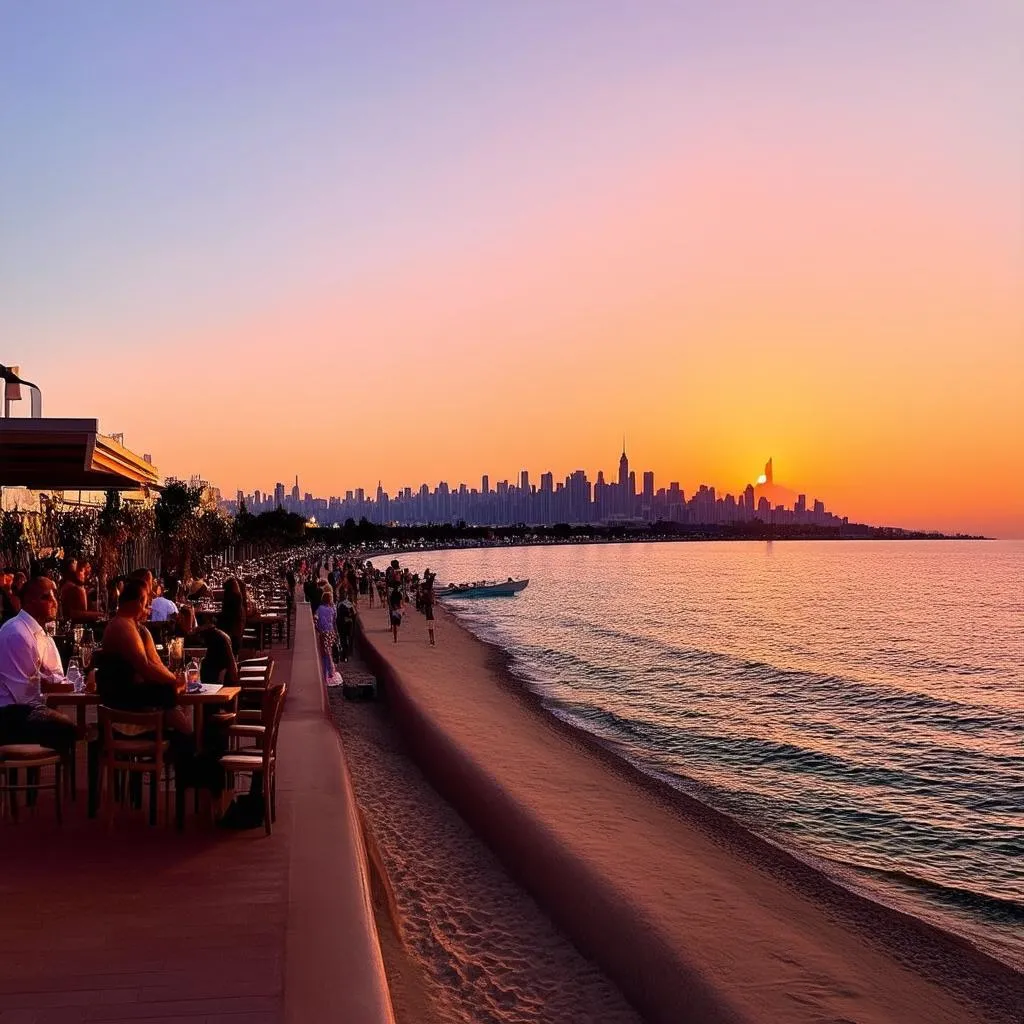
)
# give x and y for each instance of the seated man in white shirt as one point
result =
(162, 609)
(28, 658)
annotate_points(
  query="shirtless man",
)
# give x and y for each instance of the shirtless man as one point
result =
(74, 600)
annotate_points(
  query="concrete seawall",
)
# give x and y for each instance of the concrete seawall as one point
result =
(584, 903)
(333, 965)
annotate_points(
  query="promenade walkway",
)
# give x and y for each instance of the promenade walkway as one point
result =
(147, 924)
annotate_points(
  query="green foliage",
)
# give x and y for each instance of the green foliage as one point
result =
(12, 537)
(74, 530)
(179, 526)
(217, 530)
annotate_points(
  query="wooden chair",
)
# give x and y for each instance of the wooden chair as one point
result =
(30, 756)
(254, 675)
(128, 756)
(265, 759)
(251, 722)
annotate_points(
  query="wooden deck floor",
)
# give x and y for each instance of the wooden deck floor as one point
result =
(149, 924)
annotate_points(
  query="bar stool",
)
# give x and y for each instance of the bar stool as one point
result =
(14, 757)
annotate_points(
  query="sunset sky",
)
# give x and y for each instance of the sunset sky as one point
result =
(425, 241)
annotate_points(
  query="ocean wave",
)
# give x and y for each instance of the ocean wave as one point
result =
(900, 766)
(1005, 909)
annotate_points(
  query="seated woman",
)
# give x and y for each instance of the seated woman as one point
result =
(218, 665)
(130, 675)
(185, 625)
(232, 613)
(114, 588)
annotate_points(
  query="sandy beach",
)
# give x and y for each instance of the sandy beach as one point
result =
(690, 915)
(462, 941)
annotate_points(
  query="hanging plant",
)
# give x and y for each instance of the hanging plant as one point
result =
(74, 530)
(12, 537)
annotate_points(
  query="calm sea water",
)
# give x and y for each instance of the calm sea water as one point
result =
(860, 703)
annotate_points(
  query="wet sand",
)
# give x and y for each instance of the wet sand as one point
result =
(692, 916)
(462, 942)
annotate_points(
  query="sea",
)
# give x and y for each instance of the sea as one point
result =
(859, 703)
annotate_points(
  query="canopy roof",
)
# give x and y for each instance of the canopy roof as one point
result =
(68, 455)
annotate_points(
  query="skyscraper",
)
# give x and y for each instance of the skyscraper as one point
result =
(625, 492)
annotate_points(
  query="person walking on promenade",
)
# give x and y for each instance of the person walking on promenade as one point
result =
(427, 603)
(395, 610)
(346, 622)
(326, 636)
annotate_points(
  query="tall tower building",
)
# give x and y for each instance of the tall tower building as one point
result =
(648, 487)
(295, 490)
(625, 493)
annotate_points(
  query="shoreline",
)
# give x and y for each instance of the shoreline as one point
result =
(804, 873)
(521, 687)
(942, 959)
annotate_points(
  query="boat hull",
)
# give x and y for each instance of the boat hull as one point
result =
(507, 589)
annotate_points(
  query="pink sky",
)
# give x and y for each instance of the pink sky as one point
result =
(430, 247)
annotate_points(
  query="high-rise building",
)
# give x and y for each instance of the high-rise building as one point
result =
(485, 484)
(279, 495)
(295, 490)
(623, 469)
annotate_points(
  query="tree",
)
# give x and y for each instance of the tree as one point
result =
(178, 525)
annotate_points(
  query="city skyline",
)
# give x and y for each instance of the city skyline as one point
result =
(629, 496)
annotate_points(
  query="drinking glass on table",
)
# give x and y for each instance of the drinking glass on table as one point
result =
(175, 653)
(77, 633)
(192, 676)
(74, 675)
(85, 652)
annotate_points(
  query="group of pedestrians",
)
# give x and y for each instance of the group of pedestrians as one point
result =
(333, 587)
(399, 584)
(332, 591)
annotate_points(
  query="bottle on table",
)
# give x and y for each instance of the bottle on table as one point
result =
(74, 675)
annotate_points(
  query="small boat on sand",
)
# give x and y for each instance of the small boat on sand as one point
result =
(484, 588)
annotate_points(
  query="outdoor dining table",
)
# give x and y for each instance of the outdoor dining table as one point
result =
(197, 701)
(81, 701)
(264, 625)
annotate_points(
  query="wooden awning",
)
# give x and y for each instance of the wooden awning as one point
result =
(64, 454)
